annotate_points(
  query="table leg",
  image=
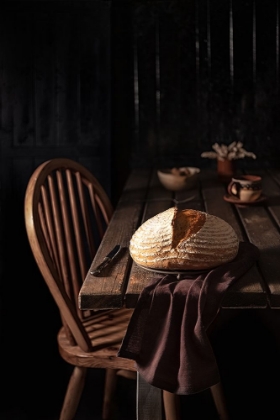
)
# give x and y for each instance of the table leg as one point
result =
(219, 400)
(172, 406)
(149, 401)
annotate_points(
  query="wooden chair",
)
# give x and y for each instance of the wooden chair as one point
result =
(66, 214)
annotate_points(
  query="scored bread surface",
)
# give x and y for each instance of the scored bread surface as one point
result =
(183, 239)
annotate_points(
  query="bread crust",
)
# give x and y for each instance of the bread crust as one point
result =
(183, 240)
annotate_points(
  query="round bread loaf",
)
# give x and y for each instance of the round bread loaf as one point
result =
(183, 240)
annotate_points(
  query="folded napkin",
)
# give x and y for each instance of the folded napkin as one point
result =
(167, 333)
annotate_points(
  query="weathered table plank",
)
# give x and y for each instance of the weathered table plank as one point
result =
(249, 290)
(262, 224)
(107, 291)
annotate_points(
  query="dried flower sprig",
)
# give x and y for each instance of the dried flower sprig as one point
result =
(232, 152)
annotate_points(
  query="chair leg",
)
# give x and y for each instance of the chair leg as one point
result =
(171, 403)
(219, 400)
(73, 393)
(109, 391)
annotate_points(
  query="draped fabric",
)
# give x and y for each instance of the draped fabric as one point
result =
(167, 334)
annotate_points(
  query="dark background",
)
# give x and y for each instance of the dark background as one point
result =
(117, 85)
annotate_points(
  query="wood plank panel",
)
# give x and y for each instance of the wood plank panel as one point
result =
(243, 69)
(146, 79)
(266, 121)
(93, 89)
(253, 289)
(123, 112)
(17, 84)
(221, 83)
(203, 74)
(107, 290)
(243, 54)
(67, 71)
(177, 92)
(44, 79)
(263, 230)
(189, 141)
(23, 115)
(266, 39)
(170, 79)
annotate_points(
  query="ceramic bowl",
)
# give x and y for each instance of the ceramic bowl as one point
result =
(177, 179)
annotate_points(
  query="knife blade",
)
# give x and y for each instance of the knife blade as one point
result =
(112, 254)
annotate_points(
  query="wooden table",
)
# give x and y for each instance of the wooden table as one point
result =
(143, 197)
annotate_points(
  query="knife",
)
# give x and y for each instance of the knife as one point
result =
(112, 254)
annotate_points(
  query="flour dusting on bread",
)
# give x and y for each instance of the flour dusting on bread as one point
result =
(183, 240)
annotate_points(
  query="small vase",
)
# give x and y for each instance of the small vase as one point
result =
(225, 170)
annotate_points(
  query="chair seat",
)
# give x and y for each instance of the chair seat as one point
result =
(106, 330)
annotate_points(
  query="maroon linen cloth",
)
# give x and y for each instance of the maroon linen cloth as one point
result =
(167, 333)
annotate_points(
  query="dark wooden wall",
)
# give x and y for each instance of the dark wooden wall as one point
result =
(205, 71)
(55, 101)
(119, 84)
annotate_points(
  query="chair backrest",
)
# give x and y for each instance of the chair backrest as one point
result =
(66, 214)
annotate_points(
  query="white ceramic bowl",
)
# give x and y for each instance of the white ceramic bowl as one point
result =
(177, 179)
